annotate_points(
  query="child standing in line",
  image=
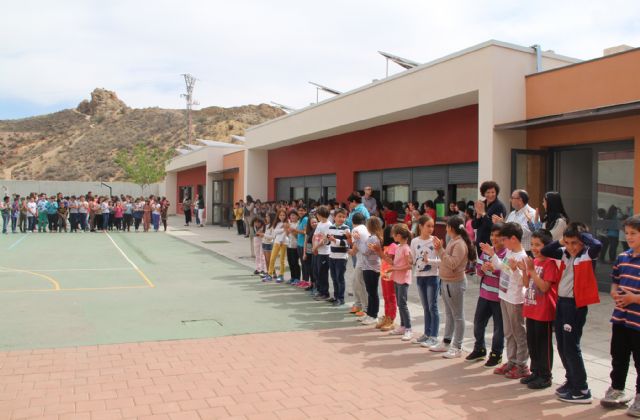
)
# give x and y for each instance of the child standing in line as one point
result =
(453, 260)
(360, 236)
(488, 306)
(267, 242)
(511, 301)
(339, 237)
(371, 268)
(401, 275)
(321, 249)
(257, 225)
(426, 272)
(292, 248)
(386, 323)
(280, 241)
(625, 334)
(578, 288)
(541, 281)
(308, 259)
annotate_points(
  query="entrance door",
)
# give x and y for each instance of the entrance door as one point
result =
(222, 202)
(529, 170)
(574, 177)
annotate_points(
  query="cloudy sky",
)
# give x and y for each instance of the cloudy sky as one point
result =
(54, 53)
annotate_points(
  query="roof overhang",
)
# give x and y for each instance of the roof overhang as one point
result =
(585, 115)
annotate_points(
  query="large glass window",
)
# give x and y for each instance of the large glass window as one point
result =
(313, 194)
(329, 193)
(392, 193)
(422, 196)
(297, 193)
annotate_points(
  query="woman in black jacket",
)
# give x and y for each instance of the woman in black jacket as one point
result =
(485, 209)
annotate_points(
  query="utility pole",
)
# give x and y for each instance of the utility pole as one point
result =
(190, 81)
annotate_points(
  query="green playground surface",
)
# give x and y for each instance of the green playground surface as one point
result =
(62, 290)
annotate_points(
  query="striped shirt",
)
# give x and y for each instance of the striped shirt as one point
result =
(489, 280)
(339, 244)
(626, 274)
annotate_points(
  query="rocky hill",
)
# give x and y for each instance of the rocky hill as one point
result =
(80, 144)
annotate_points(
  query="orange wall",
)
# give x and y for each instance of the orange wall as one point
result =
(235, 160)
(606, 81)
(627, 128)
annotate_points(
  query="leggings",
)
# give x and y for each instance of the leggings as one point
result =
(279, 250)
(294, 263)
(371, 280)
(389, 295)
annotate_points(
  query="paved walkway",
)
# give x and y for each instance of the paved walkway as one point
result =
(342, 373)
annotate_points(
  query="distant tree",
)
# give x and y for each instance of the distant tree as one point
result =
(143, 165)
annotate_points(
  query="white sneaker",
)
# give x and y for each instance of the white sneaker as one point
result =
(369, 321)
(431, 341)
(440, 347)
(407, 336)
(423, 338)
(397, 331)
(452, 353)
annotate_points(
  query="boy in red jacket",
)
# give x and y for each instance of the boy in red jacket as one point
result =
(578, 288)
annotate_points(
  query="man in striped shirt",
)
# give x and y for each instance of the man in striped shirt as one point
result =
(625, 336)
(339, 237)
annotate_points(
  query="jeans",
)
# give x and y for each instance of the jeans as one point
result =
(371, 279)
(624, 343)
(105, 221)
(22, 222)
(31, 223)
(402, 294)
(338, 267)
(569, 324)
(156, 221)
(453, 298)
(322, 274)
(14, 222)
(428, 288)
(5, 222)
(82, 217)
(485, 310)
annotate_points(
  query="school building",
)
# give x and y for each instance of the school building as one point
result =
(521, 116)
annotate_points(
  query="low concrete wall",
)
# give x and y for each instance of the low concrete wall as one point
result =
(9, 187)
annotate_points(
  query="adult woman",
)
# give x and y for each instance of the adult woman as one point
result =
(186, 208)
(555, 217)
(485, 209)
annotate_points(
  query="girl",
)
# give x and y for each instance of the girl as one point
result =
(555, 217)
(118, 213)
(146, 214)
(292, 248)
(386, 323)
(280, 226)
(426, 263)
(267, 241)
(401, 275)
(453, 261)
(308, 258)
(106, 213)
(371, 269)
(155, 215)
(137, 213)
(257, 227)
(164, 211)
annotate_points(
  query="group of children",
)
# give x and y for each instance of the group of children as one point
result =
(529, 296)
(58, 213)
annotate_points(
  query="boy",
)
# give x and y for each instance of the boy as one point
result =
(360, 236)
(488, 305)
(511, 300)
(541, 281)
(339, 237)
(625, 336)
(322, 251)
(577, 251)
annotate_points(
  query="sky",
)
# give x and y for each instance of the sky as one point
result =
(54, 53)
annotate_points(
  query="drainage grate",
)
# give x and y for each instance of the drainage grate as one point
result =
(216, 242)
(200, 321)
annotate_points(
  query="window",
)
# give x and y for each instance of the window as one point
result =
(297, 193)
(393, 193)
(422, 196)
(313, 194)
(329, 194)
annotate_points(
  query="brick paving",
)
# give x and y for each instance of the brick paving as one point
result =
(347, 373)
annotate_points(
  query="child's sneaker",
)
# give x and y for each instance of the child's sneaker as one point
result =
(614, 398)
(360, 314)
(440, 347)
(452, 353)
(476, 355)
(539, 383)
(255, 273)
(367, 320)
(634, 410)
(381, 321)
(267, 278)
(389, 325)
(279, 279)
(408, 335)
(518, 372)
(502, 370)
(577, 397)
(355, 309)
(431, 341)
(563, 388)
(397, 331)
(493, 361)
(422, 339)
(528, 379)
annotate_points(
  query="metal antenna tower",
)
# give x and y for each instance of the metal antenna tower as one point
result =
(190, 81)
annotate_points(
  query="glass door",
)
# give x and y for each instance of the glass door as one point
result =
(529, 169)
(222, 202)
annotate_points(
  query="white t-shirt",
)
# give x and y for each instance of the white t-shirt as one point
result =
(320, 235)
(32, 207)
(420, 248)
(511, 289)
(361, 243)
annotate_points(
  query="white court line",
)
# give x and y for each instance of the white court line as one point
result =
(135, 267)
(13, 245)
(82, 269)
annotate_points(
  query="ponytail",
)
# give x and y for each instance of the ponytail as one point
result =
(456, 224)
